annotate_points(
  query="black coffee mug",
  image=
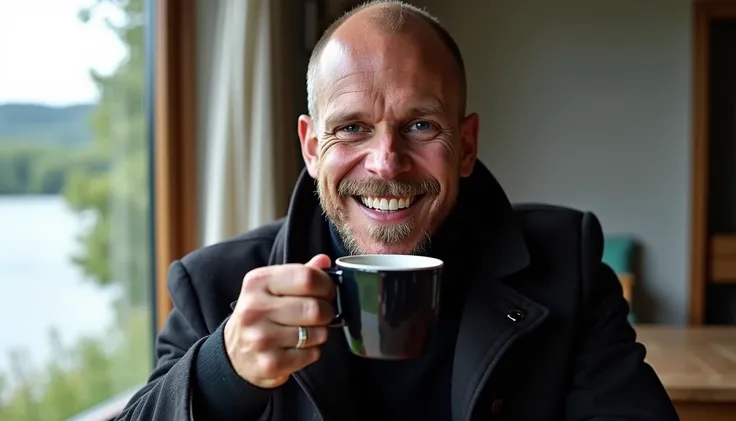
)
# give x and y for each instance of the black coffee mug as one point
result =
(387, 304)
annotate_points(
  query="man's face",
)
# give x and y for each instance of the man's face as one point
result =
(389, 143)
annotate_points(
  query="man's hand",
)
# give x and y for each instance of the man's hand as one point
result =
(261, 334)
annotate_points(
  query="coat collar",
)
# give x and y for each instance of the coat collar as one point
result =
(494, 314)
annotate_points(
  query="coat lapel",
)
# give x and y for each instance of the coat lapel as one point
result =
(494, 315)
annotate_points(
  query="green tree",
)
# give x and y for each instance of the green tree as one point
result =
(79, 376)
(36, 168)
(110, 181)
(116, 249)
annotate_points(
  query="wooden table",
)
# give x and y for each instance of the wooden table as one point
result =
(697, 366)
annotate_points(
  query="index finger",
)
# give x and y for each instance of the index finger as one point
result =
(301, 280)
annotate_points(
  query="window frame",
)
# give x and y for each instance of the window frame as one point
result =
(173, 110)
(700, 240)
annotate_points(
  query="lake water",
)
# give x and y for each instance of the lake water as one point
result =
(40, 287)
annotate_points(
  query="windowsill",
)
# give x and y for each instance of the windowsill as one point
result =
(106, 410)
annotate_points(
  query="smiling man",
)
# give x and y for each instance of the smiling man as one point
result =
(532, 324)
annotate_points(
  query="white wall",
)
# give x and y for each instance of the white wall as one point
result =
(587, 104)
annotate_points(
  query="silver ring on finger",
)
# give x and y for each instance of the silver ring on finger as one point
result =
(303, 337)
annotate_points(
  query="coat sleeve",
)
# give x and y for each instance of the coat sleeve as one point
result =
(610, 380)
(193, 377)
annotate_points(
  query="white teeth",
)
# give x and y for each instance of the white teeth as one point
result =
(387, 204)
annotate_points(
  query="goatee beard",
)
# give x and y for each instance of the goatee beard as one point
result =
(382, 234)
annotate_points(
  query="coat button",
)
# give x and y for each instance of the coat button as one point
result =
(515, 315)
(497, 406)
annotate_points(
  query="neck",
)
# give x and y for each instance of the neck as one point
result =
(338, 246)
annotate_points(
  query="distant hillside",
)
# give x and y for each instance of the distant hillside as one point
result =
(41, 123)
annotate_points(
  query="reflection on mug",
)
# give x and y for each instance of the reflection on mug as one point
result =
(351, 310)
(369, 285)
(404, 322)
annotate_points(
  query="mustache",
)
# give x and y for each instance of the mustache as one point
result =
(370, 187)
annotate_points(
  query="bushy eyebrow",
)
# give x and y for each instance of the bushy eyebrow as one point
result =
(428, 108)
(342, 117)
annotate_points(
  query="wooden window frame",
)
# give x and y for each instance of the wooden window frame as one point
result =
(175, 141)
(700, 243)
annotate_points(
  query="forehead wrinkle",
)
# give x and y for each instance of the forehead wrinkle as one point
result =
(340, 108)
(333, 90)
(333, 101)
(362, 83)
(397, 85)
(400, 94)
(387, 106)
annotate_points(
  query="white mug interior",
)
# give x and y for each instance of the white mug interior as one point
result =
(389, 262)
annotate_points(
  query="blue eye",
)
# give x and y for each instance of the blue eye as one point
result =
(353, 132)
(352, 128)
(420, 126)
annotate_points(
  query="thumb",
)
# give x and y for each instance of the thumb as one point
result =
(320, 261)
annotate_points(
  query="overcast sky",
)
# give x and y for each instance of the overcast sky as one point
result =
(46, 52)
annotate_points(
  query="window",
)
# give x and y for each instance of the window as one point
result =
(75, 225)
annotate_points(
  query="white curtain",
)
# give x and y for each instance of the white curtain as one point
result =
(242, 181)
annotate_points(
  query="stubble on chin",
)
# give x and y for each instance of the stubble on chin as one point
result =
(382, 238)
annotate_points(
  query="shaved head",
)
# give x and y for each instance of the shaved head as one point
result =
(384, 17)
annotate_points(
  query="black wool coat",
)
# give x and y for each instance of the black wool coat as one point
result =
(543, 334)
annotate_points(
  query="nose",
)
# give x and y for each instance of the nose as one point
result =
(388, 157)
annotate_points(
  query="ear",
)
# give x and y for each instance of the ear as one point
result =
(309, 141)
(468, 144)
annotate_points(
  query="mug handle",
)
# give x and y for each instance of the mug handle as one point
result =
(336, 276)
